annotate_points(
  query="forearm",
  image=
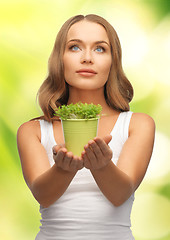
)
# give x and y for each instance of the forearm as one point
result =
(51, 185)
(113, 183)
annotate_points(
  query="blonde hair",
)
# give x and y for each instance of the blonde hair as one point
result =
(54, 90)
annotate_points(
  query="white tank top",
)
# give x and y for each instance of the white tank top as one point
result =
(83, 212)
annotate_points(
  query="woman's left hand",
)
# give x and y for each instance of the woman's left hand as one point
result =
(97, 154)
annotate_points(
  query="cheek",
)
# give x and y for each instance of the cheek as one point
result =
(69, 62)
(67, 66)
(106, 67)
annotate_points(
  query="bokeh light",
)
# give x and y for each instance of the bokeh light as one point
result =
(154, 221)
(158, 172)
(27, 34)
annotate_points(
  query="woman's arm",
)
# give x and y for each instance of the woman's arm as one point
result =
(46, 183)
(118, 182)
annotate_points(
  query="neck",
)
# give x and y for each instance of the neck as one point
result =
(89, 96)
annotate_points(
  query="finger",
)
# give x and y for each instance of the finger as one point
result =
(58, 158)
(103, 146)
(56, 148)
(67, 160)
(107, 138)
(62, 151)
(73, 164)
(97, 151)
(86, 161)
(80, 163)
(90, 154)
(76, 163)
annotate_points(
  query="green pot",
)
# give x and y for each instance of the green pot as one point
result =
(77, 133)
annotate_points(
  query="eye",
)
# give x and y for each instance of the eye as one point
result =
(100, 49)
(74, 48)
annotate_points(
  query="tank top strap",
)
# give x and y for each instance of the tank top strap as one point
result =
(46, 131)
(123, 124)
(47, 138)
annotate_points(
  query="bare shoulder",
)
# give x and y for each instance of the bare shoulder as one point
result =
(30, 128)
(142, 122)
(33, 156)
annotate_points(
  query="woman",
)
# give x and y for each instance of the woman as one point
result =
(87, 197)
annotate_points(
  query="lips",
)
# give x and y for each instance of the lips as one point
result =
(86, 72)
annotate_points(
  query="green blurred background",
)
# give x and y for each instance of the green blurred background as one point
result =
(27, 33)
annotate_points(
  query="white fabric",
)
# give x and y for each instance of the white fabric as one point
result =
(83, 212)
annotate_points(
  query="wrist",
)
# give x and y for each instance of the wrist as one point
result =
(103, 168)
(63, 171)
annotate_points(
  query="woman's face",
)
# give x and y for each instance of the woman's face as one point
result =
(87, 58)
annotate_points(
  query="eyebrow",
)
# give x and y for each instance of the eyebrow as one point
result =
(97, 42)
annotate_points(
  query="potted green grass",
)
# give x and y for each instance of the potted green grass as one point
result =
(80, 124)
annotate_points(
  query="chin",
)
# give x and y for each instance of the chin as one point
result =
(86, 84)
(87, 87)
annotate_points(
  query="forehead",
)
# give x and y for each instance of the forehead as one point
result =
(87, 31)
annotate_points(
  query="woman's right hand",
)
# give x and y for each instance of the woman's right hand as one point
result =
(66, 160)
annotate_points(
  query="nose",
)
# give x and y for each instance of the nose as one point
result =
(86, 57)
